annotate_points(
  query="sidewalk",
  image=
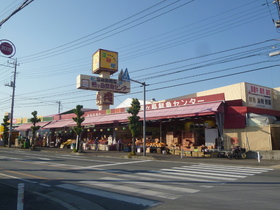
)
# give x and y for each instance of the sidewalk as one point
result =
(163, 157)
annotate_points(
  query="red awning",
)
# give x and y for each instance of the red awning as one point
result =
(166, 113)
(59, 124)
(27, 126)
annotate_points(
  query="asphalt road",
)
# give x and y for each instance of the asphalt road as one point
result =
(62, 180)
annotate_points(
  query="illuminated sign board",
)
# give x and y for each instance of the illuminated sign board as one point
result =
(104, 60)
(87, 82)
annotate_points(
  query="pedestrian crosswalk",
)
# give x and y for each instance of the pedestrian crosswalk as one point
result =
(167, 183)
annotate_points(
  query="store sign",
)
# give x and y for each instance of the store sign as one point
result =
(104, 60)
(187, 101)
(258, 96)
(7, 48)
(104, 98)
(87, 82)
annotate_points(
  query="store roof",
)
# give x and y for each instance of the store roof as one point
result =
(166, 113)
(153, 114)
(60, 124)
(27, 126)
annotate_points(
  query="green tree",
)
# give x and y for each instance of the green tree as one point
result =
(78, 129)
(5, 125)
(34, 128)
(134, 124)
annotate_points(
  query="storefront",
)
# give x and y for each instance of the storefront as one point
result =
(214, 119)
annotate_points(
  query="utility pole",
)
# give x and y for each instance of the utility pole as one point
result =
(59, 104)
(13, 85)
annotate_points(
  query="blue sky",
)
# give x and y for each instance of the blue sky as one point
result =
(176, 47)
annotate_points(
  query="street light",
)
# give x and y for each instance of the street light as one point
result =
(144, 115)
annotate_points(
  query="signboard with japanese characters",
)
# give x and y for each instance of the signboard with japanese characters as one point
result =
(104, 98)
(186, 101)
(258, 96)
(104, 60)
(87, 82)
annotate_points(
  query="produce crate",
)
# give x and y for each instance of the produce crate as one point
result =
(177, 152)
(188, 153)
(200, 154)
(148, 150)
(159, 150)
(195, 154)
(172, 151)
(207, 154)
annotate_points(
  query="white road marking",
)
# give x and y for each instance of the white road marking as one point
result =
(114, 164)
(9, 158)
(213, 170)
(197, 175)
(217, 175)
(132, 189)
(110, 195)
(14, 177)
(161, 175)
(45, 185)
(225, 167)
(158, 180)
(150, 184)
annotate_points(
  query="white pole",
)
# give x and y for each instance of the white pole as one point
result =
(259, 157)
(20, 196)
(181, 152)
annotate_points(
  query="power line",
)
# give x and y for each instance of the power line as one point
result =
(74, 46)
(24, 4)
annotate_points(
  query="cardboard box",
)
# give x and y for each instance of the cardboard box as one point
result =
(195, 154)
(200, 154)
(177, 152)
(188, 153)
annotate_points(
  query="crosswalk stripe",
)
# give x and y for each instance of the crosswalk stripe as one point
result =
(120, 163)
(165, 175)
(233, 168)
(214, 170)
(151, 184)
(165, 183)
(169, 181)
(226, 169)
(57, 164)
(197, 175)
(132, 190)
(205, 173)
(111, 195)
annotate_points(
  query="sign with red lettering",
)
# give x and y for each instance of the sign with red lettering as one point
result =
(186, 101)
(104, 97)
(258, 96)
(7, 48)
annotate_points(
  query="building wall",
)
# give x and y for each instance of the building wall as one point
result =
(251, 138)
(232, 92)
(235, 92)
(276, 98)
